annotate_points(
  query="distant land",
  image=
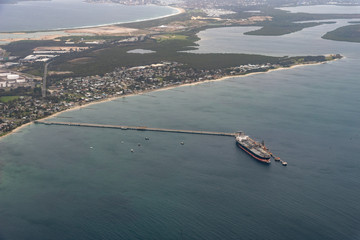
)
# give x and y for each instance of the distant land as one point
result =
(16, 1)
(234, 3)
(349, 33)
(283, 28)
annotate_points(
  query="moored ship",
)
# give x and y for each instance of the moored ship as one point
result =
(253, 148)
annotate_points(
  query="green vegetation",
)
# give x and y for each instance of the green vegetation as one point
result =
(168, 46)
(278, 29)
(172, 50)
(349, 33)
(6, 99)
(20, 91)
(100, 62)
(25, 47)
(167, 37)
(284, 22)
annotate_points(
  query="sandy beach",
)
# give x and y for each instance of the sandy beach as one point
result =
(105, 30)
(78, 107)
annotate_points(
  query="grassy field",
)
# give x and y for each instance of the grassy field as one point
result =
(349, 33)
(6, 99)
(167, 37)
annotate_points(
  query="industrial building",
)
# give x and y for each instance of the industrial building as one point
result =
(9, 79)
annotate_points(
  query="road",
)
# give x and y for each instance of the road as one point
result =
(43, 89)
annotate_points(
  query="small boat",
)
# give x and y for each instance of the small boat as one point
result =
(147, 138)
(182, 143)
(139, 144)
(277, 159)
(284, 163)
(132, 150)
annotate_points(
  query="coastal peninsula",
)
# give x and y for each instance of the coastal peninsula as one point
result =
(133, 58)
(72, 93)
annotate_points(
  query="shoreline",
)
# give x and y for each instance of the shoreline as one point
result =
(62, 32)
(78, 107)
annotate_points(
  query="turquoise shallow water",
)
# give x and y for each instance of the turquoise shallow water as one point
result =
(55, 186)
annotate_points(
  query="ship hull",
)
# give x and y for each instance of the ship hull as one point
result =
(253, 155)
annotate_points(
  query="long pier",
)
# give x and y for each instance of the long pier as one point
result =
(137, 128)
(142, 128)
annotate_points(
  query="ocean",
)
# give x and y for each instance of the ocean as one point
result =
(66, 14)
(61, 182)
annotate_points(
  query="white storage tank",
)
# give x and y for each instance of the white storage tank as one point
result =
(4, 74)
(12, 76)
(20, 80)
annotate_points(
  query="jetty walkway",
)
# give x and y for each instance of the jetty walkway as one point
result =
(137, 128)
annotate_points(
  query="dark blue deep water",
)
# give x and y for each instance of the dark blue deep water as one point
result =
(78, 183)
